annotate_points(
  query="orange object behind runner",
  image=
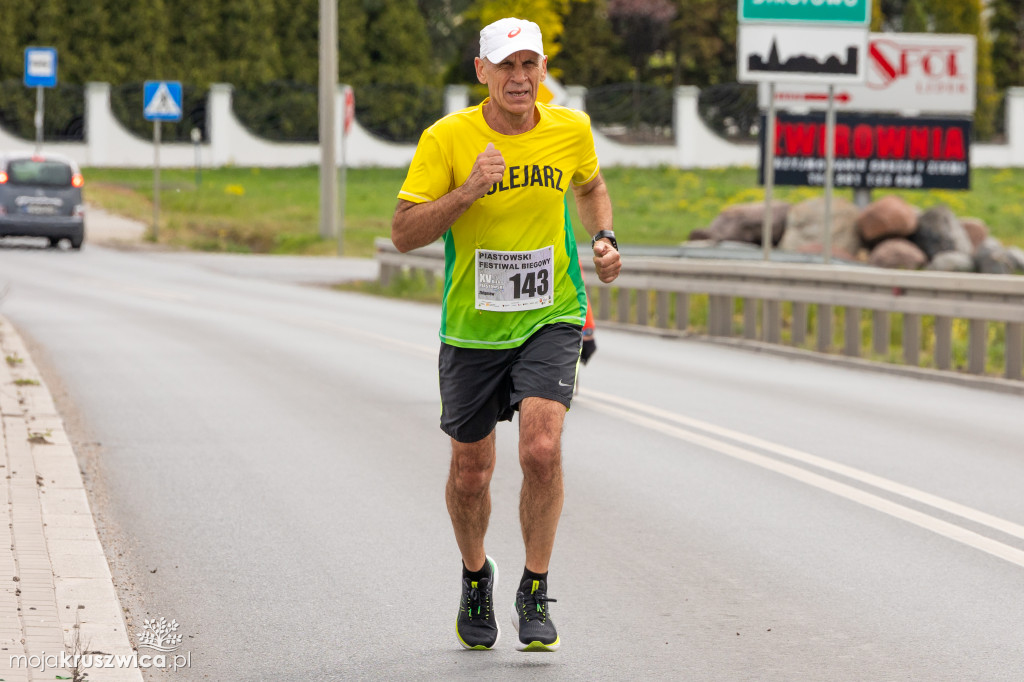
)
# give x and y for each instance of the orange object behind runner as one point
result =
(589, 346)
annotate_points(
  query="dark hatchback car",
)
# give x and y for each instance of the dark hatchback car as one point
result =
(41, 196)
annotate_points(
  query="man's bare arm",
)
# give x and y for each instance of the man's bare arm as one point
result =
(595, 207)
(415, 225)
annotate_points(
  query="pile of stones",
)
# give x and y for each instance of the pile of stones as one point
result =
(889, 233)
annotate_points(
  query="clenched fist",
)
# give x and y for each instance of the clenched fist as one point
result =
(607, 261)
(487, 170)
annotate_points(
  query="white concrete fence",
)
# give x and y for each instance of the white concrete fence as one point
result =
(108, 144)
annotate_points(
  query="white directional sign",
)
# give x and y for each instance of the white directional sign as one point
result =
(162, 101)
(801, 54)
(926, 72)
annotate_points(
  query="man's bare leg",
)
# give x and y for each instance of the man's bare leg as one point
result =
(540, 455)
(468, 495)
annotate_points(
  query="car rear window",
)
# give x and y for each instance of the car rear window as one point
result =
(32, 172)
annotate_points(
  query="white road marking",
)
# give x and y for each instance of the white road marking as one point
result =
(870, 500)
(934, 501)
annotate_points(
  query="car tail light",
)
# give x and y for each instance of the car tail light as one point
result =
(3, 177)
(79, 210)
(77, 180)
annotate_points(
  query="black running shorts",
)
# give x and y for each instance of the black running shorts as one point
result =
(480, 387)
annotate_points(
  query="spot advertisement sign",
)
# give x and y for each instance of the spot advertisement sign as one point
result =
(928, 73)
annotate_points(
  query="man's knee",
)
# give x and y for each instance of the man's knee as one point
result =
(541, 455)
(472, 465)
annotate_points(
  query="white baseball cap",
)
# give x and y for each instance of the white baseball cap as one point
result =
(507, 36)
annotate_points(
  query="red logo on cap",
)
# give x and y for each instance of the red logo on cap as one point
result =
(514, 32)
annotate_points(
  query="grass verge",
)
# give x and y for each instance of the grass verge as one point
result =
(276, 210)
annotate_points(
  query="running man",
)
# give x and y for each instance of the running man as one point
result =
(490, 181)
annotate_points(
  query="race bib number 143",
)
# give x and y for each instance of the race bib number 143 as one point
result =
(515, 280)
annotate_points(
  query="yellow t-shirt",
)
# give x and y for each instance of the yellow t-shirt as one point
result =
(511, 263)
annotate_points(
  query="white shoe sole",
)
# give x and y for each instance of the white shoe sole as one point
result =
(534, 645)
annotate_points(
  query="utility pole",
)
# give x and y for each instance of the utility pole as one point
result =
(328, 132)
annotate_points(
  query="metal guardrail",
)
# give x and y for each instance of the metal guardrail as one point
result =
(759, 300)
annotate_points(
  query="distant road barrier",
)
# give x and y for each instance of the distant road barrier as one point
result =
(861, 312)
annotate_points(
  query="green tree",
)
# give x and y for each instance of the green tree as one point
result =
(915, 16)
(87, 43)
(402, 78)
(398, 45)
(13, 37)
(644, 27)
(353, 58)
(139, 39)
(296, 32)
(195, 33)
(877, 16)
(1007, 25)
(590, 52)
(703, 42)
(48, 20)
(247, 53)
(443, 18)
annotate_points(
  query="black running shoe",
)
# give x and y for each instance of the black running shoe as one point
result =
(477, 626)
(532, 620)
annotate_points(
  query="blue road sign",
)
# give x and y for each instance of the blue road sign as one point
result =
(161, 101)
(41, 67)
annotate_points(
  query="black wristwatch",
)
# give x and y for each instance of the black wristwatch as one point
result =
(605, 234)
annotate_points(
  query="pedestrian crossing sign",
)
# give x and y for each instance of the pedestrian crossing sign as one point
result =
(161, 100)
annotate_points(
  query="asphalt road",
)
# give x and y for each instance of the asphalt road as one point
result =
(270, 473)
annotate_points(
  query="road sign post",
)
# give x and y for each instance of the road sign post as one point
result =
(802, 42)
(349, 116)
(40, 108)
(197, 136)
(156, 180)
(769, 178)
(830, 160)
(161, 101)
(40, 72)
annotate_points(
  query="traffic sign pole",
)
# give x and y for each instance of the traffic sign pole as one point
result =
(156, 180)
(769, 177)
(39, 119)
(348, 113)
(830, 156)
(342, 182)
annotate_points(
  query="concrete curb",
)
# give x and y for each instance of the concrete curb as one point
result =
(55, 584)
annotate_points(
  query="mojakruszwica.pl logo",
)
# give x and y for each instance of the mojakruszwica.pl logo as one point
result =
(159, 635)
